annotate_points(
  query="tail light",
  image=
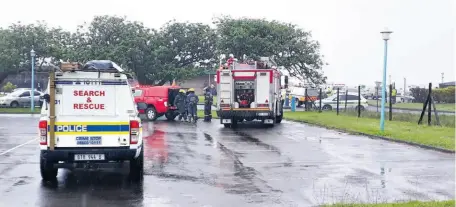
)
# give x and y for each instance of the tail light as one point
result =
(43, 132)
(266, 101)
(134, 132)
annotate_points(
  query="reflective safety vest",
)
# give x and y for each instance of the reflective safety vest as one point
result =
(393, 93)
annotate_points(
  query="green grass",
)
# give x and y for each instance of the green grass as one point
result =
(200, 114)
(19, 110)
(201, 100)
(449, 203)
(440, 107)
(442, 137)
(445, 120)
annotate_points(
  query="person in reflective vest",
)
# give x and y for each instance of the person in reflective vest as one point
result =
(192, 101)
(179, 102)
(393, 96)
(208, 100)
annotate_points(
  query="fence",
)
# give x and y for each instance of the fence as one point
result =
(354, 104)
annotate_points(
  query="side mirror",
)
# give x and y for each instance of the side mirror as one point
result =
(46, 97)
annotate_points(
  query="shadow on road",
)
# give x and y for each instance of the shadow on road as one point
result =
(91, 189)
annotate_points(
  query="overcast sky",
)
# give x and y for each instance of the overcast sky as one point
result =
(420, 49)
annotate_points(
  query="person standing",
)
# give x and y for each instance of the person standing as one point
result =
(192, 101)
(208, 100)
(179, 102)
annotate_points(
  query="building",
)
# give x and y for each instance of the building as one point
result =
(447, 84)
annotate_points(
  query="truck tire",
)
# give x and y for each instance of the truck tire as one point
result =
(227, 125)
(48, 172)
(151, 114)
(137, 167)
(279, 119)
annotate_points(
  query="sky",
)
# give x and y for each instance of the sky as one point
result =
(420, 49)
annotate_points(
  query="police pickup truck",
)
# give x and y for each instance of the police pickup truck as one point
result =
(95, 119)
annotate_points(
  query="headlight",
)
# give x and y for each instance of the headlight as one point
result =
(166, 103)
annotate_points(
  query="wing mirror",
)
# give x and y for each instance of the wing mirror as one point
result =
(46, 97)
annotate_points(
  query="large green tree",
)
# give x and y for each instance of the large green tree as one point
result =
(287, 44)
(17, 40)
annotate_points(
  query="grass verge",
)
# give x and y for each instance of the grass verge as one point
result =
(440, 137)
(200, 114)
(449, 203)
(19, 111)
(445, 120)
(440, 107)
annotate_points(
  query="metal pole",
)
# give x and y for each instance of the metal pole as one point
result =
(390, 102)
(319, 108)
(32, 93)
(382, 113)
(429, 106)
(359, 101)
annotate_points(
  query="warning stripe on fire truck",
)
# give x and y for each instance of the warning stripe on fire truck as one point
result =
(86, 128)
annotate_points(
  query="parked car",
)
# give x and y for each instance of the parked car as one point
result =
(20, 98)
(352, 102)
(158, 99)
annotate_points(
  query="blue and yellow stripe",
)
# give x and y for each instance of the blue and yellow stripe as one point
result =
(91, 128)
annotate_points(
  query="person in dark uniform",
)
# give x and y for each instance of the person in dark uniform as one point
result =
(192, 101)
(208, 100)
(179, 102)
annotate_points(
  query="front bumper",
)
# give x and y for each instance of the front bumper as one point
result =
(245, 114)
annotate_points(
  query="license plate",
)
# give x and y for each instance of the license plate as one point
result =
(89, 157)
(226, 121)
(263, 114)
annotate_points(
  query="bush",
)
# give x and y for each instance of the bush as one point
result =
(9, 87)
(440, 95)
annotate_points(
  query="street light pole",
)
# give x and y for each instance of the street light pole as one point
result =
(32, 93)
(386, 33)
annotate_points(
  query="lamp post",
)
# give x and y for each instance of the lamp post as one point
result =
(32, 93)
(386, 36)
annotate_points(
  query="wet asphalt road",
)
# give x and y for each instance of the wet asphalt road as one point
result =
(289, 165)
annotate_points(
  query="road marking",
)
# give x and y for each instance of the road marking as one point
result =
(2, 153)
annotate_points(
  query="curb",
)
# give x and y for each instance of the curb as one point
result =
(17, 113)
(378, 137)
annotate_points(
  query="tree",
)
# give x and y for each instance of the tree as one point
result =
(287, 44)
(184, 50)
(17, 40)
(8, 87)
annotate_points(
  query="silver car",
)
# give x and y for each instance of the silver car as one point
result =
(20, 98)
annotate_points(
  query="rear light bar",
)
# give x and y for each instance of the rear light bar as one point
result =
(134, 131)
(43, 132)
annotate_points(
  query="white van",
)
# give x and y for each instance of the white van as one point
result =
(96, 122)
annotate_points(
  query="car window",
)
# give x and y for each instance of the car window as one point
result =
(352, 97)
(137, 93)
(27, 93)
(341, 98)
(37, 93)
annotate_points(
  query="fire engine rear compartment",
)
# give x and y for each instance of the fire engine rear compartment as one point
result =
(244, 93)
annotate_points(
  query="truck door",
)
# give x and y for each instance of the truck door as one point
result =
(225, 89)
(263, 89)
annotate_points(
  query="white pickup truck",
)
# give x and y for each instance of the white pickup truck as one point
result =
(96, 122)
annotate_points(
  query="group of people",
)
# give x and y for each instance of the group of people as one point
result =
(187, 102)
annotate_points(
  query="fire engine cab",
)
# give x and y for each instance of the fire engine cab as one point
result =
(249, 91)
(89, 120)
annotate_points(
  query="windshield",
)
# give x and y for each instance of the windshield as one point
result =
(137, 92)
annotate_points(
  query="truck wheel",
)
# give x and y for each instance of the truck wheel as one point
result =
(137, 167)
(227, 125)
(151, 114)
(48, 172)
(279, 119)
(170, 116)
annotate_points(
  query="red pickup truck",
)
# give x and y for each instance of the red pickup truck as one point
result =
(159, 101)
